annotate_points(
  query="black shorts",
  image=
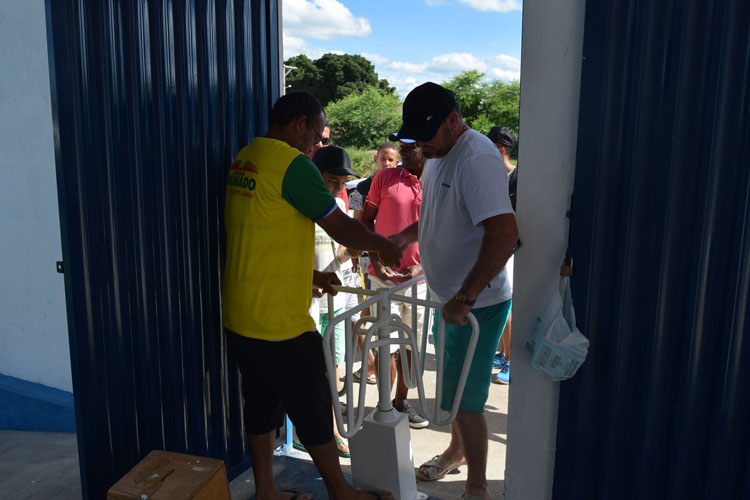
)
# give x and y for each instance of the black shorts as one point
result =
(289, 376)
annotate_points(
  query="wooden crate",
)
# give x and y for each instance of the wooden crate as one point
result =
(164, 475)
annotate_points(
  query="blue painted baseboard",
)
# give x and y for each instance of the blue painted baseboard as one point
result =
(26, 406)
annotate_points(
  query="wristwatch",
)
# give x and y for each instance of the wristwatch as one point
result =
(462, 298)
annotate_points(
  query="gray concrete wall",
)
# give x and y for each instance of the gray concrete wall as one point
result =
(550, 84)
(33, 325)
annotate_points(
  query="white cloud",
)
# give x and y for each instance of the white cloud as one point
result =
(406, 75)
(504, 74)
(407, 67)
(449, 63)
(493, 5)
(375, 58)
(403, 85)
(406, 83)
(508, 62)
(322, 19)
(445, 63)
(294, 46)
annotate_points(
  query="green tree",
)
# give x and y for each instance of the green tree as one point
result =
(364, 120)
(470, 93)
(334, 76)
(503, 101)
(304, 76)
(486, 104)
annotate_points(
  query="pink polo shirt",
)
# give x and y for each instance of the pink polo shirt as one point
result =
(397, 195)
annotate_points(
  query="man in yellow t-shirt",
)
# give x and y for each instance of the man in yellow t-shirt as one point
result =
(275, 195)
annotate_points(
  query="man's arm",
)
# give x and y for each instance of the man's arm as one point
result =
(368, 219)
(406, 237)
(501, 234)
(353, 234)
(369, 212)
(324, 280)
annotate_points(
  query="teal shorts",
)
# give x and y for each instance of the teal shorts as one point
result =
(338, 334)
(491, 321)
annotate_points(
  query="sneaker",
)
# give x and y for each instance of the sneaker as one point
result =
(499, 360)
(416, 420)
(503, 376)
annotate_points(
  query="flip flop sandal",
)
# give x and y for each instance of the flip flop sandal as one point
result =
(297, 445)
(343, 454)
(436, 468)
(371, 379)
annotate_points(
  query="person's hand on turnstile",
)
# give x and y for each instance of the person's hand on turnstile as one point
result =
(455, 311)
(324, 280)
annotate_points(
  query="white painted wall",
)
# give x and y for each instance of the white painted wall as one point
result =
(33, 324)
(550, 85)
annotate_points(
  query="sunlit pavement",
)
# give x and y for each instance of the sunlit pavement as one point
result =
(432, 440)
(45, 465)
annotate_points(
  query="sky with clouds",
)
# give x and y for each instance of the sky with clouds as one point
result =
(410, 41)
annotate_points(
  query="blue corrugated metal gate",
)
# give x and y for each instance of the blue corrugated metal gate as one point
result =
(151, 101)
(661, 240)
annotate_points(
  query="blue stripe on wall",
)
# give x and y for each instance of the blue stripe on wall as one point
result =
(26, 406)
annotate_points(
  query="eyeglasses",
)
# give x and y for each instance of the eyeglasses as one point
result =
(325, 141)
(319, 136)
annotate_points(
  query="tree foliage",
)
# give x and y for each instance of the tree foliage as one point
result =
(485, 104)
(364, 120)
(334, 76)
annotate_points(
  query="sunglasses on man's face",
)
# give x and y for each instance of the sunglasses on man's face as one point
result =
(325, 141)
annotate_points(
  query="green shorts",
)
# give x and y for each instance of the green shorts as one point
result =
(338, 334)
(491, 321)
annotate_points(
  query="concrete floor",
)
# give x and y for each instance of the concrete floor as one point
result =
(38, 465)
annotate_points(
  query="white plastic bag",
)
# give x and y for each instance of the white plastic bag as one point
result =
(556, 346)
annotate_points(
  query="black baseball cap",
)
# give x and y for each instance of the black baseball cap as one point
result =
(334, 160)
(425, 108)
(502, 136)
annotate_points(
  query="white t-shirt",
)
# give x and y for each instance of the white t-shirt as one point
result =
(326, 260)
(459, 191)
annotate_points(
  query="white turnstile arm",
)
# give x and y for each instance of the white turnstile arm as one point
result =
(382, 325)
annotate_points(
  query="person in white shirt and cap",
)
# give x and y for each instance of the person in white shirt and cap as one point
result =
(466, 232)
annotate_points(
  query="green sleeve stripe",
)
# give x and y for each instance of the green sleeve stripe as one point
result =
(304, 189)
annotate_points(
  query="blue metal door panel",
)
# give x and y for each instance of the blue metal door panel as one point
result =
(661, 245)
(151, 101)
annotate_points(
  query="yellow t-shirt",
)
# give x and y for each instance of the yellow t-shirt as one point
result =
(274, 196)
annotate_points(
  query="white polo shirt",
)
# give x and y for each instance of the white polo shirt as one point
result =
(459, 191)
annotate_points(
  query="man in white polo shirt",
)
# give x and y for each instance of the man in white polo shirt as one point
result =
(466, 232)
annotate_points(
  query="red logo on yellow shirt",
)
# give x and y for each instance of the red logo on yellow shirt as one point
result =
(241, 180)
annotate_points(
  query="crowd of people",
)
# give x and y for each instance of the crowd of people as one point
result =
(293, 231)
